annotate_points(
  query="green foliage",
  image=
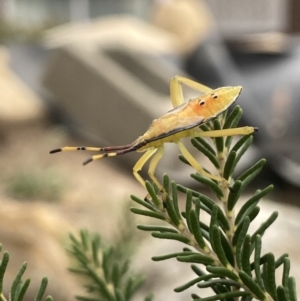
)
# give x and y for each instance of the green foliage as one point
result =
(104, 270)
(32, 186)
(224, 254)
(19, 287)
(230, 255)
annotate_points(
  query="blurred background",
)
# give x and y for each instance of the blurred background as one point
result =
(97, 72)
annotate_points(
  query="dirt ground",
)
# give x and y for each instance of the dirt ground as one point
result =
(35, 219)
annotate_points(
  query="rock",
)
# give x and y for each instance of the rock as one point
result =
(18, 105)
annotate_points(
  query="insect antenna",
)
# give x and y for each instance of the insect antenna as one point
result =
(132, 148)
(90, 148)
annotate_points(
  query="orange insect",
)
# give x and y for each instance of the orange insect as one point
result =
(180, 122)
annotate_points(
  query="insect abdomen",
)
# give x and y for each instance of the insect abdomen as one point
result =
(155, 143)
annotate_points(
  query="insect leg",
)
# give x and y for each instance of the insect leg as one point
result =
(153, 163)
(195, 164)
(226, 132)
(176, 89)
(140, 163)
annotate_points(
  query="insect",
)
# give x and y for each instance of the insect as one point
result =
(180, 122)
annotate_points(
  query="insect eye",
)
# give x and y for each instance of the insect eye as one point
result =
(202, 103)
(214, 96)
